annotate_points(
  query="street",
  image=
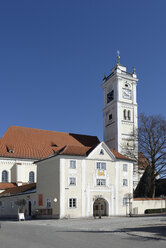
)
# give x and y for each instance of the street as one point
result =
(70, 233)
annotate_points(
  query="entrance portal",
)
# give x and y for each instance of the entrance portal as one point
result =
(100, 207)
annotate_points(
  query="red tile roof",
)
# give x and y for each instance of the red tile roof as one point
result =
(18, 189)
(23, 142)
(7, 185)
(37, 144)
(119, 155)
(75, 150)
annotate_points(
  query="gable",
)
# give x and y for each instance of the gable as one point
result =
(101, 152)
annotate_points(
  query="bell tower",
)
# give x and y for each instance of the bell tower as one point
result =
(120, 118)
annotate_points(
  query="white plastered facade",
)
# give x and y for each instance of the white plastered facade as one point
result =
(53, 183)
(120, 118)
(17, 170)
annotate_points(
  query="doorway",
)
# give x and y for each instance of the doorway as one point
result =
(100, 207)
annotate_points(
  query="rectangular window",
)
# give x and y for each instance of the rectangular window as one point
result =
(48, 203)
(72, 181)
(110, 96)
(101, 182)
(110, 117)
(72, 164)
(101, 166)
(2, 204)
(72, 202)
(124, 201)
(124, 167)
(11, 204)
(125, 183)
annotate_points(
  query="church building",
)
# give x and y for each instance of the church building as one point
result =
(75, 175)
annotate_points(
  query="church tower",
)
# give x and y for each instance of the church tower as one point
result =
(120, 110)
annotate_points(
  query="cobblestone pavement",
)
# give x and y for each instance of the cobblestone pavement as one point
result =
(149, 227)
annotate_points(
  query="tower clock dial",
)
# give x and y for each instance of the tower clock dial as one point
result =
(126, 93)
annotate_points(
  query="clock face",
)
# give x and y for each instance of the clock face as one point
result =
(126, 93)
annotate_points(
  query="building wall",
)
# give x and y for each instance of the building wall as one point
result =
(48, 185)
(140, 205)
(86, 191)
(18, 169)
(9, 209)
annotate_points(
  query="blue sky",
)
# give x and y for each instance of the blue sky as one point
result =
(53, 55)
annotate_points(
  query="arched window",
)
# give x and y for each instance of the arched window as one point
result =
(124, 114)
(31, 177)
(4, 176)
(129, 115)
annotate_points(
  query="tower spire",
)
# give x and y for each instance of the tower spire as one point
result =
(118, 57)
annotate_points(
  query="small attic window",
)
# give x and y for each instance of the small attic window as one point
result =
(101, 152)
(53, 145)
(10, 148)
(11, 151)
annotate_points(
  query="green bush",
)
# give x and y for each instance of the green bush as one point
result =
(155, 211)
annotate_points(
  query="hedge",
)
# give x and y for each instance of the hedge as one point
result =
(155, 211)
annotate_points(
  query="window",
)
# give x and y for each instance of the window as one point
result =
(34, 203)
(125, 201)
(110, 117)
(129, 115)
(124, 167)
(110, 96)
(48, 203)
(124, 114)
(101, 152)
(101, 166)
(2, 204)
(31, 177)
(72, 202)
(72, 181)
(101, 182)
(4, 176)
(125, 183)
(11, 204)
(72, 164)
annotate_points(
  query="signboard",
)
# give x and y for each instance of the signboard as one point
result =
(40, 200)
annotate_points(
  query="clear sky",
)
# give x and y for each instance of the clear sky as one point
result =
(54, 53)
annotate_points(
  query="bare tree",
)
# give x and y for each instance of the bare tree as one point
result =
(151, 137)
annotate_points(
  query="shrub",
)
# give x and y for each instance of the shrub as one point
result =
(155, 211)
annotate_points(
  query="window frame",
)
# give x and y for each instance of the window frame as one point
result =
(48, 203)
(6, 176)
(11, 204)
(31, 175)
(99, 182)
(100, 165)
(70, 179)
(70, 164)
(125, 167)
(125, 182)
(72, 202)
(125, 203)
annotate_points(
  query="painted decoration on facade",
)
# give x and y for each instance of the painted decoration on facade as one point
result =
(40, 200)
(100, 172)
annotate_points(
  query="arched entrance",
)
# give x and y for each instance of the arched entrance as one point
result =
(100, 207)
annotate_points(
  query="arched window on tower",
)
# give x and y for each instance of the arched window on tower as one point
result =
(129, 115)
(124, 114)
(4, 176)
(31, 177)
